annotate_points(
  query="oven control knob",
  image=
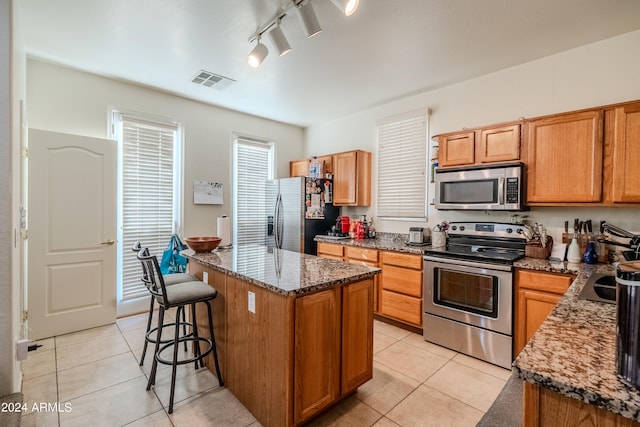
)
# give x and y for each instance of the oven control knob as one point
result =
(462, 228)
(454, 227)
(509, 230)
(519, 230)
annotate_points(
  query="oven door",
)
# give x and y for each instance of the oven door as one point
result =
(474, 293)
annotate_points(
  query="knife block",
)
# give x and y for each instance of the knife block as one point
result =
(534, 249)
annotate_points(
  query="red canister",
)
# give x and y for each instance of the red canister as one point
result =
(345, 224)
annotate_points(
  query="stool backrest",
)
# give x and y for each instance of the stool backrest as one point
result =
(152, 277)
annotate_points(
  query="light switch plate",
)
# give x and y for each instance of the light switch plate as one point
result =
(252, 302)
(205, 277)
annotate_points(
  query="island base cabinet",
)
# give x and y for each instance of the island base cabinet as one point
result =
(357, 335)
(317, 350)
(546, 408)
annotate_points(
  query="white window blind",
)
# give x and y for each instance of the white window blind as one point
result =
(253, 166)
(148, 193)
(402, 166)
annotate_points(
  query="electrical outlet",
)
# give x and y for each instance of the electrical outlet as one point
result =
(252, 302)
(22, 349)
(205, 277)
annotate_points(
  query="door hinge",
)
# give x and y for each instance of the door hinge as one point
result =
(25, 315)
(24, 235)
(25, 152)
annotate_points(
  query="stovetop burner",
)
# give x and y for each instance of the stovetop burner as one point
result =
(488, 242)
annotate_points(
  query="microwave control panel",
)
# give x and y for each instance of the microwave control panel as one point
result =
(513, 190)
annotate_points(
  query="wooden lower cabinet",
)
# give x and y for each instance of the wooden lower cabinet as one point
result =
(401, 287)
(295, 355)
(317, 353)
(537, 293)
(330, 251)
(546, 408)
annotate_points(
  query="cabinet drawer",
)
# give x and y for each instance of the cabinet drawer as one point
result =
(401, 307)
(402, 280)
(330, 249)
(363, 254)
(403, 260)
(541, 281)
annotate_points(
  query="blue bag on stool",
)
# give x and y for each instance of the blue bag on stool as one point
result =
(172, 261)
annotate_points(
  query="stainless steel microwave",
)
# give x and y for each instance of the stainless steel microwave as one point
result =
(486, 187)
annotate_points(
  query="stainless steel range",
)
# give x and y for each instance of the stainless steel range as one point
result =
(468, 290)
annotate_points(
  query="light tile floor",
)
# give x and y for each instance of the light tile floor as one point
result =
(94, 378)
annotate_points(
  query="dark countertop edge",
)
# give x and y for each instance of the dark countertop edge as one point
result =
(310, 289)
(590, 396)
(376, 243)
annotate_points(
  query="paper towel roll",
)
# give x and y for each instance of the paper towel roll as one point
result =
(224, 230)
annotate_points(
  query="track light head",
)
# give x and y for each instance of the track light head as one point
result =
(279, 40)
(308, 19)
(348, 7)
(257, 55)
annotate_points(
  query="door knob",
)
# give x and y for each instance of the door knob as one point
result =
(108, 242)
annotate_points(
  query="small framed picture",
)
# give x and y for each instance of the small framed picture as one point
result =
(207, 193)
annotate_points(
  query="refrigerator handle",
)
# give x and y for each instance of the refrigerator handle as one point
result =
(277, 222)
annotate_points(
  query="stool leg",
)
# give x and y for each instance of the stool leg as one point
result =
(196, 342)
(213, 345)
(174, 365)
(154, 366)
(184, 327)
(149, 321)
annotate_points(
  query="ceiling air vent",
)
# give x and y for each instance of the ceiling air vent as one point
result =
(209, 79)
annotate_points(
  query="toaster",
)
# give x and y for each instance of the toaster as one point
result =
(416, 235)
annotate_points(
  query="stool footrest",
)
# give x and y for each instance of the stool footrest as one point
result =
(195, 358)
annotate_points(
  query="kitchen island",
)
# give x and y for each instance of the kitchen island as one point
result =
(294, 331)
(569, 364)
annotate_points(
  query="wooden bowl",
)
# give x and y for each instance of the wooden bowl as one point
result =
(202, 244)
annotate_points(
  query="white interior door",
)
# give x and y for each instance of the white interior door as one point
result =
(71, 231)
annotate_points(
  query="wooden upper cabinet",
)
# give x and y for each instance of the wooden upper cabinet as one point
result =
(352, 178)
(499, 144)
(299, 167)
(456, 149)
(564, 158)
(626, 154)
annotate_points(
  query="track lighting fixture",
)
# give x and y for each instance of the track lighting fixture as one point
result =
(279, 40)
(258, 54)
(308, 18)
(309, 22)
(348, 7)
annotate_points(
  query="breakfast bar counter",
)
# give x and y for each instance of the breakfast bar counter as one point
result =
(569, 364)
(294, 331)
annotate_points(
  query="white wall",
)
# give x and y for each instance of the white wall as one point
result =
(71, 101)
(601, 73)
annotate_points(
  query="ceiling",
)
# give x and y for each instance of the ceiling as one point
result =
(387, 49)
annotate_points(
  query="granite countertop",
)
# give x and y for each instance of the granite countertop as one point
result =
(383, 241)
(573, 352)
(282, 271)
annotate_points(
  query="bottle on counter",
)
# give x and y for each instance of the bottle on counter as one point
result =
(573, 253)
(372, 230)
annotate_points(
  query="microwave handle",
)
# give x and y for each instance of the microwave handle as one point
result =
(501, 191)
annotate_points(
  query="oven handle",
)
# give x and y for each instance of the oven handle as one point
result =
(500, 267)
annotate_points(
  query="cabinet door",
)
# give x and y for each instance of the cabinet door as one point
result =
(352, 178)
(533, 307)
(564, 158)
(299, 167)
(626, 154)
(357, 335)
(458, 149)
(499, 144)
(361, 254)
(317, 353)
(327, 163)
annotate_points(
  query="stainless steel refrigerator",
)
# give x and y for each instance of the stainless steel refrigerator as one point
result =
(298, 209)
